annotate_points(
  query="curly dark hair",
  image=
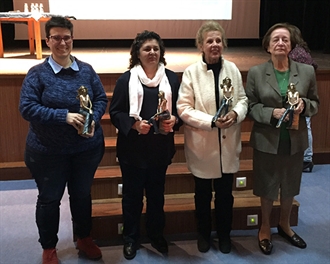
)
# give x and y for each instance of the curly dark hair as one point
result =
(137, 44)
(58, 21)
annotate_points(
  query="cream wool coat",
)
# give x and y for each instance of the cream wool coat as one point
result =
(207, 157)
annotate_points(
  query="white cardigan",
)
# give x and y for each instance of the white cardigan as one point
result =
(207, 157)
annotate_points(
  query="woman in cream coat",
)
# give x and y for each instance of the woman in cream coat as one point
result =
(212, 148)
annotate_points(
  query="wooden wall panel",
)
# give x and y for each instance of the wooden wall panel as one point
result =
(14, 128)
(321, 121)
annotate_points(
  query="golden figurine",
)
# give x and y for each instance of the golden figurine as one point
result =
(85, 110)
(162, 113)
(293, 100)
(228, 91)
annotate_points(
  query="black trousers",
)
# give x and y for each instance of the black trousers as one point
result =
(223, 205)
(135, 181)
(53, 173)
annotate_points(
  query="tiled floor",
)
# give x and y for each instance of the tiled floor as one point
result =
(19, 237)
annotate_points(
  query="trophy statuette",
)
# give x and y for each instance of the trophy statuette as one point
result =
(162, 113)
(85, 110)
(228, 91)
(293, 99)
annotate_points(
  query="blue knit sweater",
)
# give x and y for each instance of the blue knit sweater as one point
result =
(45, 100)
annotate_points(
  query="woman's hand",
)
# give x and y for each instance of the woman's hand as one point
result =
(300, 107)
(90, 132)
(226, 121)
(76, 120)
(167, 125)
(142, 127)
(279, 112)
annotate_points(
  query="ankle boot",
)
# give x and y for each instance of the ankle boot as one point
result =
(49, 256)
(88, 248)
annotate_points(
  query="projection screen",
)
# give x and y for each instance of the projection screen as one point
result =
(171, 19)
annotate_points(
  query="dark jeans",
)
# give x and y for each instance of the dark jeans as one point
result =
(52, 173)
(223, 205)
(135, 181)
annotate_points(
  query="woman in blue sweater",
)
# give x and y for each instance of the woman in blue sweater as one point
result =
(56, 153)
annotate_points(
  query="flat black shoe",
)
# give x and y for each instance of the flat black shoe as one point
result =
(160, 244)
(266, 246)
(129, 251)
(203, 244)
(295, 240)
(308, 166)
(225, 245)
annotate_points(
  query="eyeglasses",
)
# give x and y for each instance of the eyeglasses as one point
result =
(58, 38)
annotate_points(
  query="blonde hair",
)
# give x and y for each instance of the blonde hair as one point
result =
(207, 27)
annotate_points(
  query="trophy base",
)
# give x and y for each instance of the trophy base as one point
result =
(295, 122)
(162, 132)
(84, 130)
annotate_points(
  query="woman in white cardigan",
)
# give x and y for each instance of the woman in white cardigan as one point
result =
(212, 143)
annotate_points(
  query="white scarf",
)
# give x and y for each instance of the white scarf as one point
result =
(139, 77)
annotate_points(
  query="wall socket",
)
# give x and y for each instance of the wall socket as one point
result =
(120, 189)
(240, 182)
(120, 228)
(252, 220)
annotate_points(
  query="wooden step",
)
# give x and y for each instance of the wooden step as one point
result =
(14, 171)
(246, 126)
(180, 214)
(19, 171)
(173, 169)
(109, 157)
(107, 179)
(110, 142)
(109, 95)
(178, 180)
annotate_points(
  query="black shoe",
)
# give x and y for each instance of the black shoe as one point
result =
(295, 240)
(308, 166)
(224, 245)
(160, 244)
(266, 246)
(129, 251)
(203, 244)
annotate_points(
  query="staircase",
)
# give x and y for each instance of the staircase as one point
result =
(179, 191)
(179, 188)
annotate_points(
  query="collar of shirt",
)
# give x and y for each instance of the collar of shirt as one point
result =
(57, 68)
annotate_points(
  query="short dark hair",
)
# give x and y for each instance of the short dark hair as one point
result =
(58, 21)
(137, 44)
(266, 38)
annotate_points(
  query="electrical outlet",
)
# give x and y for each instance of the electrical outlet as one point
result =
(252, 220)
(120, 189)
(120, 228)
(240, 182)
